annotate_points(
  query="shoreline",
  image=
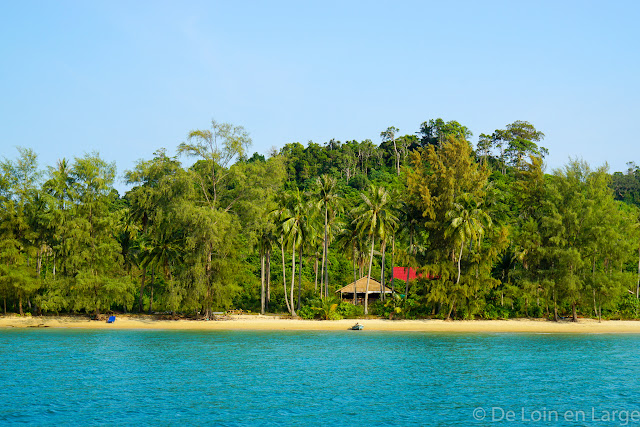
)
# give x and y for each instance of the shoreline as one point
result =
(273, 323)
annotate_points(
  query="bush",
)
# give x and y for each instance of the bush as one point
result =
(492, 312)
(326, 309)
(536, 311)
(307, 312)
(349, 311)
(629, 307)
(359, 182)
(397, 307)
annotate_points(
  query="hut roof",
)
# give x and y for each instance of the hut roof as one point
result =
(361, 285)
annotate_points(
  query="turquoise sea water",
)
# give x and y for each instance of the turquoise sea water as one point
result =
(96, 377)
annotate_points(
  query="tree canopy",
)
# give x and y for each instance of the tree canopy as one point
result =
(490, 233)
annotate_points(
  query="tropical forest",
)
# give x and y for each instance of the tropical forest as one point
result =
(491, 233)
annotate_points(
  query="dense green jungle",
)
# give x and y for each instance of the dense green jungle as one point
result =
(491, 233)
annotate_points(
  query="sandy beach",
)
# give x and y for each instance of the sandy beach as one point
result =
(274, 323)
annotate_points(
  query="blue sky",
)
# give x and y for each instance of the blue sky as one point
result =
(126, 78)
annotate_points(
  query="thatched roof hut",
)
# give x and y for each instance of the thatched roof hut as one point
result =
(360, 285)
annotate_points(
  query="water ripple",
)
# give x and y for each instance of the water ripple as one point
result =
(298, 378)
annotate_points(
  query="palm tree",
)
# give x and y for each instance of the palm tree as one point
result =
(292, 226)
(349, 243)
(636, 228)
(328, 200)
(301, 230)
(466, 221)
(297, 229)
(374, 217)
(390, 135)
(311, 236)
(163, 249)
(409, 223)
(279, 214)
(267, 239)
(60, 187)
(388, 233)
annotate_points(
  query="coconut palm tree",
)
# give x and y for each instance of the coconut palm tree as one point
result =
(373, 218)
(164, 249)
(266, 241)
(409, 224)
(388, 234)
(297, 225)
(465, 222)
(349, 243)
(279, 214)
(636, 228)
(328, 200)
(292, 226)
(60, 187)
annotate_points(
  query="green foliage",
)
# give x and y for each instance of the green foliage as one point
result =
(491, 312)
(349, 311)
(436, 132)
(307, 312)
(491, 233)
(328, 308)
(629, 307)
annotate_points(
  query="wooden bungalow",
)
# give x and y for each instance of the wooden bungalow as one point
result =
(359, 286)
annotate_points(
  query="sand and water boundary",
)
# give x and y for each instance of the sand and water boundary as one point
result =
(275, 323)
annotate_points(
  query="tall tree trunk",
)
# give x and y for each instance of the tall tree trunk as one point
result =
(144, 275)
(575, 313)
(20, 306)
(293, 276)
(315, 270)
(355, 293)
(299, 276)
(453, 305)
(366, 290)
(406, 285)
(638, 285)
(54, 266)
(322, 273)
(153, 276)
(459, 261)
(555, 307)
(457, 280)
(262, 282)
(382, 287)
(268, 280)
(593, 282)
(406, 289)
(284, 279)
(39, 263)
(326, 251)
(210, 290)
(393, 264)
(395, 148)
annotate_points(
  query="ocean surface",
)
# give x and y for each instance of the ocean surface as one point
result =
(228, 378)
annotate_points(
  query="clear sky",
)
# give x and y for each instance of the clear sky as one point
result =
(125, 78)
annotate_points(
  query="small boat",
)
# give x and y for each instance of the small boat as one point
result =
(111, 319)
(357, 327)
